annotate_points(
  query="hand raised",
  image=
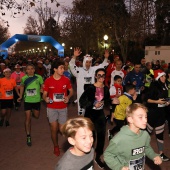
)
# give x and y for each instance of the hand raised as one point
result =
(77, 51)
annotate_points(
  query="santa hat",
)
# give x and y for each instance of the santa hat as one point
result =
(158, 73)
(87, 57)
(18, 66)
(7, 69)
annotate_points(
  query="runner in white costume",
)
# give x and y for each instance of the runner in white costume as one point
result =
(85, 75)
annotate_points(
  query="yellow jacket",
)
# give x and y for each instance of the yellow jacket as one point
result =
(120, 109)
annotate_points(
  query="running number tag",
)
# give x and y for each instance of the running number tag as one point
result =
(58, 97)
(137, 164)
(31, 92)
(9, 93)
(87, 80)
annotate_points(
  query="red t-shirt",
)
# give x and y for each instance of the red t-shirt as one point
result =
(57, 89)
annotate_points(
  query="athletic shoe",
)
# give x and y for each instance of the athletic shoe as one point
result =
(164, 157)
(7, 123)
(56, 150)
(29, 143)
(1, 122)
(99, 163)
(110, 136)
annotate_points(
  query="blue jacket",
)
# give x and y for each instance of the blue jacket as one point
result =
(133, 76)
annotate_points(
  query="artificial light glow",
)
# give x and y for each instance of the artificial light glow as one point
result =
(105, 37)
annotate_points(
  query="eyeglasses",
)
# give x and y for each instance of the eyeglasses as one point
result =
(101, 76)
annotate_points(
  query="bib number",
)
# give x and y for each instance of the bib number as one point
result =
(31, 92)
(58, 97)
(9, 93)
(137, 164)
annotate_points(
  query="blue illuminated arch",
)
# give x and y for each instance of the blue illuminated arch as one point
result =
(36, 38)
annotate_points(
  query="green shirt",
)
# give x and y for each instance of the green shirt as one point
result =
(32, 86)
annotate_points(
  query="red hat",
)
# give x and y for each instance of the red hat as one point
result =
(158, 73)
(18, 66)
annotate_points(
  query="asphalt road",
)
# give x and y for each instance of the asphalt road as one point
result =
(16, 155)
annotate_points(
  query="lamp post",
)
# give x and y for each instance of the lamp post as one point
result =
(105, 39)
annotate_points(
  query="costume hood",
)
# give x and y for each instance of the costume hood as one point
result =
(87, 57)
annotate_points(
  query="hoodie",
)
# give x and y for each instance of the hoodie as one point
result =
(128, 149)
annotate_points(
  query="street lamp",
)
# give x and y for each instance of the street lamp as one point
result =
(45, 50)
(71, 50)
(105, 39)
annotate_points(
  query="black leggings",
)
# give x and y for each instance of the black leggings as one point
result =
(98, 118)
(156, 120)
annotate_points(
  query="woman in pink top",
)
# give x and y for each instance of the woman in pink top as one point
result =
(93, 100)
(17, 75)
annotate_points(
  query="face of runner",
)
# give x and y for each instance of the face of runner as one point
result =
(100, 76)
(7, 74)
(59, 70)
(118, 65)
(88, 64)
(30, 70)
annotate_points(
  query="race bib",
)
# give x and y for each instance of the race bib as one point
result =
(9, 93)
(58, 97)
(137, 164)
(87, 80)
(31, 92)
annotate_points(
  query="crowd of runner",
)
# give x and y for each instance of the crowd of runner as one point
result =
(100, 82)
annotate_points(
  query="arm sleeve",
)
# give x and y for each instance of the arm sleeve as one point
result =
(148, 149)
(108, 74)
(85, 99)
(112, 92)
(126, 79)
(73, 67)
(113, 158)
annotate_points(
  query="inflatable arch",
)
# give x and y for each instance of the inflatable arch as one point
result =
(36, 38)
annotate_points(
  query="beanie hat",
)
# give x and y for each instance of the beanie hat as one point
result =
(158, 73)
